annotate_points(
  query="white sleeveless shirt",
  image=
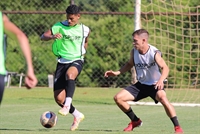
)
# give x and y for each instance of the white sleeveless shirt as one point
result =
(147, 70)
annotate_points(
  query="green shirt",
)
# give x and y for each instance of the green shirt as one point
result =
(70, 46)
(2, 56)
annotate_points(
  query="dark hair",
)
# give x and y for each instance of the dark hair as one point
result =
(140, 31)
(73, 9)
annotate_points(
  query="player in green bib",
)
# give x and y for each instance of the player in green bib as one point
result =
(70, 44)
(15, 33)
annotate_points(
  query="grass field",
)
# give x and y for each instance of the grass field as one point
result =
(21, 109)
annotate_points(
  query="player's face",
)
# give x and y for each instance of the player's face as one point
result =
(73, 19)
(137, 42)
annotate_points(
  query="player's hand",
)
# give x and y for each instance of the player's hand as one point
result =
(111, 73)
(159, 85)
(57, 36)
(30, 80)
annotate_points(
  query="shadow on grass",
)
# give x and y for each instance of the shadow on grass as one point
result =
(48, 130)
(14, 129)
(100, 130)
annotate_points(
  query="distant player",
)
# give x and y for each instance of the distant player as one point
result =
(70, 44)
(14, 32)
(147, 61)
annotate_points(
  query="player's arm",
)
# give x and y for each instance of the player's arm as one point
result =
(14, 32)
(47, 36)
(165, 70)
(129, 64)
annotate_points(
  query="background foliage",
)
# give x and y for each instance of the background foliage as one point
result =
(110, 42)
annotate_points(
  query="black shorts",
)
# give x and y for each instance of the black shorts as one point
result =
(2, 81)
(141, 91)
(2, 86)
(60, 74)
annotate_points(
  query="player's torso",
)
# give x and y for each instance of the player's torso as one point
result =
(71, 45)
(146, 67)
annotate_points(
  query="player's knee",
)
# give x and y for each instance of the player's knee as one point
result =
(163, 100)
(161, 97)
(116, 98)
(70, 76)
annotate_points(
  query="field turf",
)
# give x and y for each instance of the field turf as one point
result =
(21, 109)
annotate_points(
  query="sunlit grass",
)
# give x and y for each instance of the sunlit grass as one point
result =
(21, 109)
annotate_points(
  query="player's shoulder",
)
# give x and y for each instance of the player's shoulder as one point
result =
(60, 23)
(153, 47)
(155, 50)
(85, 27)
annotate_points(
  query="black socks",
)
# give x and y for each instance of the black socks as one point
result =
(131, 115)
(175, 121)
(70, 88)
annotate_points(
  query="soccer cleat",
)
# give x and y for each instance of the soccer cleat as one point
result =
(64, 111)
(76, 122)
(178, 130)
(132, 125)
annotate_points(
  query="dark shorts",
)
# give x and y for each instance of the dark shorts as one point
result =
(2, 86)
(141, 91)
(60, 74)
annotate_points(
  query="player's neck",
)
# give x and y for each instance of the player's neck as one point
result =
(144, 49)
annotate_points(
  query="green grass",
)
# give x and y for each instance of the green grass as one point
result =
(21, 109)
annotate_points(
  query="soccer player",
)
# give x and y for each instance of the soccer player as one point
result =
(147, 61)
(70, 44)
(14, 32)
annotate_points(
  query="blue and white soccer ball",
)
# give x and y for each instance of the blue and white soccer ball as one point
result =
(48, 119)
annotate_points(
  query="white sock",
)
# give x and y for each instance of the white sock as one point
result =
(68, 102)
(76, 113)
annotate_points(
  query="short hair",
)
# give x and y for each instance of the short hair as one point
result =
(140, 31)
(73, 9)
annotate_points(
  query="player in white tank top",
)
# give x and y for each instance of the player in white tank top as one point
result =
(148, 63)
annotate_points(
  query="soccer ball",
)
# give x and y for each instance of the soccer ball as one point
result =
(48, 119)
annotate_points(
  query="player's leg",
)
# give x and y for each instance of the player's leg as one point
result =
(121, 98)
(60, 96)
(78, 117)
(71, 74)
(2, 86)
(60, 84)
(170, 111)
